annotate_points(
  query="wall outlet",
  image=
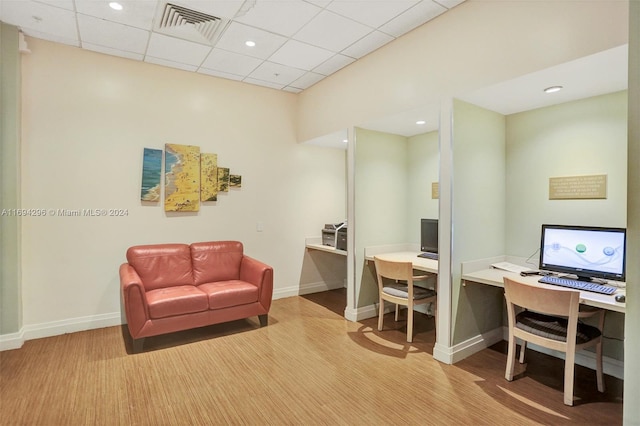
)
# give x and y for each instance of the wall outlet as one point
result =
(259, 226)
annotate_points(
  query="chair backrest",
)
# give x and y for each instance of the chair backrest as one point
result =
(402, 271)
(552, 301)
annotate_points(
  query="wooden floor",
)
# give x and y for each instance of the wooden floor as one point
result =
(308, 367)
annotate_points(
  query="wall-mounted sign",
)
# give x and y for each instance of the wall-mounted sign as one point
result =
(592, 187)
(435, 191)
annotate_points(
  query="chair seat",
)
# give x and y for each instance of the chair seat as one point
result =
(401, 290)
(554, 328)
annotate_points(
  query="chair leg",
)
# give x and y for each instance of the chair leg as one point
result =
(569, 368)
(397, 309)
(523, 348)
(409, 325)
(599, 377)
(511, 358)
(380, 314)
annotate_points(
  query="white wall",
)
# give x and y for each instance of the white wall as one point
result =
(585, 137)
(474, 45)
(87, 118)
(423, 169)
(478, 214)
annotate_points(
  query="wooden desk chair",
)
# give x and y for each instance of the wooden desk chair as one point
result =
(391, 287)
(550, 319)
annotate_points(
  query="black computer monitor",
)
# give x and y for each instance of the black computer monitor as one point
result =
(429, 235)
(585, 251)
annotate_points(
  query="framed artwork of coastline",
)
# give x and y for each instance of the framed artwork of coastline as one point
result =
(182, 178)
(151, 174)
(223, 179)
(235, 181)
(208, 177)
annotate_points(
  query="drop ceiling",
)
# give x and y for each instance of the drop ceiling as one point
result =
(297, 42)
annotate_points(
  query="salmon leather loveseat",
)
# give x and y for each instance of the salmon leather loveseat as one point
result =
(174, 287)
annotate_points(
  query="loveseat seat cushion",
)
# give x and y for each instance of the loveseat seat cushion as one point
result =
(177, 300)
(223, 294)
(161, 265)
(216, 261)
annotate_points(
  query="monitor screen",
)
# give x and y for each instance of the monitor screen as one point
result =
(429, 235)
(585, 251)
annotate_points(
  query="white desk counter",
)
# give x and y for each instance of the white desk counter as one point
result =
(494, 277)
(316, 244)
(402, 253)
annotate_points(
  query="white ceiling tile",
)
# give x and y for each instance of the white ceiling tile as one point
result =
(41, 18)
(112, 52)
(236, 35)
(320, 3)
(64, 4)
(373, 13)
(307, 80)
(300, 55)
(449, 3)
(332, 32)
(281, 17)
(263, 83)
(292, 89)
(276, 73)
(220, 8)
(333, 64)
(135, 13)
(173, 49)
(47, 36)
(221, 74)
(113, 35)
(171, 64)
(230, 62)
(367, 44)
(412, 18)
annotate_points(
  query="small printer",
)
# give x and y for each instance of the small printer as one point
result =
(335, 235)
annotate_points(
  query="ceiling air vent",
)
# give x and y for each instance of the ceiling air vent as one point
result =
(189, 24)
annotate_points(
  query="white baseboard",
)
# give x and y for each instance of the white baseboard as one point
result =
(307, 288)
(11, 341)
(56, 328)
(460, 351)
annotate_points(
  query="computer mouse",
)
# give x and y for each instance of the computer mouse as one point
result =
(620, 298)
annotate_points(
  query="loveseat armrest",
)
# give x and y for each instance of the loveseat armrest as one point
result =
(261, 275)
(135, 301)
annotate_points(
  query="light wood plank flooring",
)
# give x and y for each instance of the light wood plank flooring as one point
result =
(309, 366)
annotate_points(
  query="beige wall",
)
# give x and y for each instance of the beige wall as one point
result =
(631, 413)
(476, 44)
(478, 214)
(10, 224)
(423, 169)
(585, 137)
(87, 118)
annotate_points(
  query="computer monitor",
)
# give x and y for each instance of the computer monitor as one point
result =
(585, 251)
(429, 235)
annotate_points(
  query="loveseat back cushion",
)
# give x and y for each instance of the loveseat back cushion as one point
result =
(216, 261)
(162, 265)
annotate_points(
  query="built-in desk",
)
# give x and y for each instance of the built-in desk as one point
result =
(419, 263)
(474, 272)
(316, 244)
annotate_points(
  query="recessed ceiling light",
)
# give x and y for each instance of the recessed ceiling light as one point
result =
(345, 140)
(552, 89)
(250, 43)
(421, 122)
(115, 5)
